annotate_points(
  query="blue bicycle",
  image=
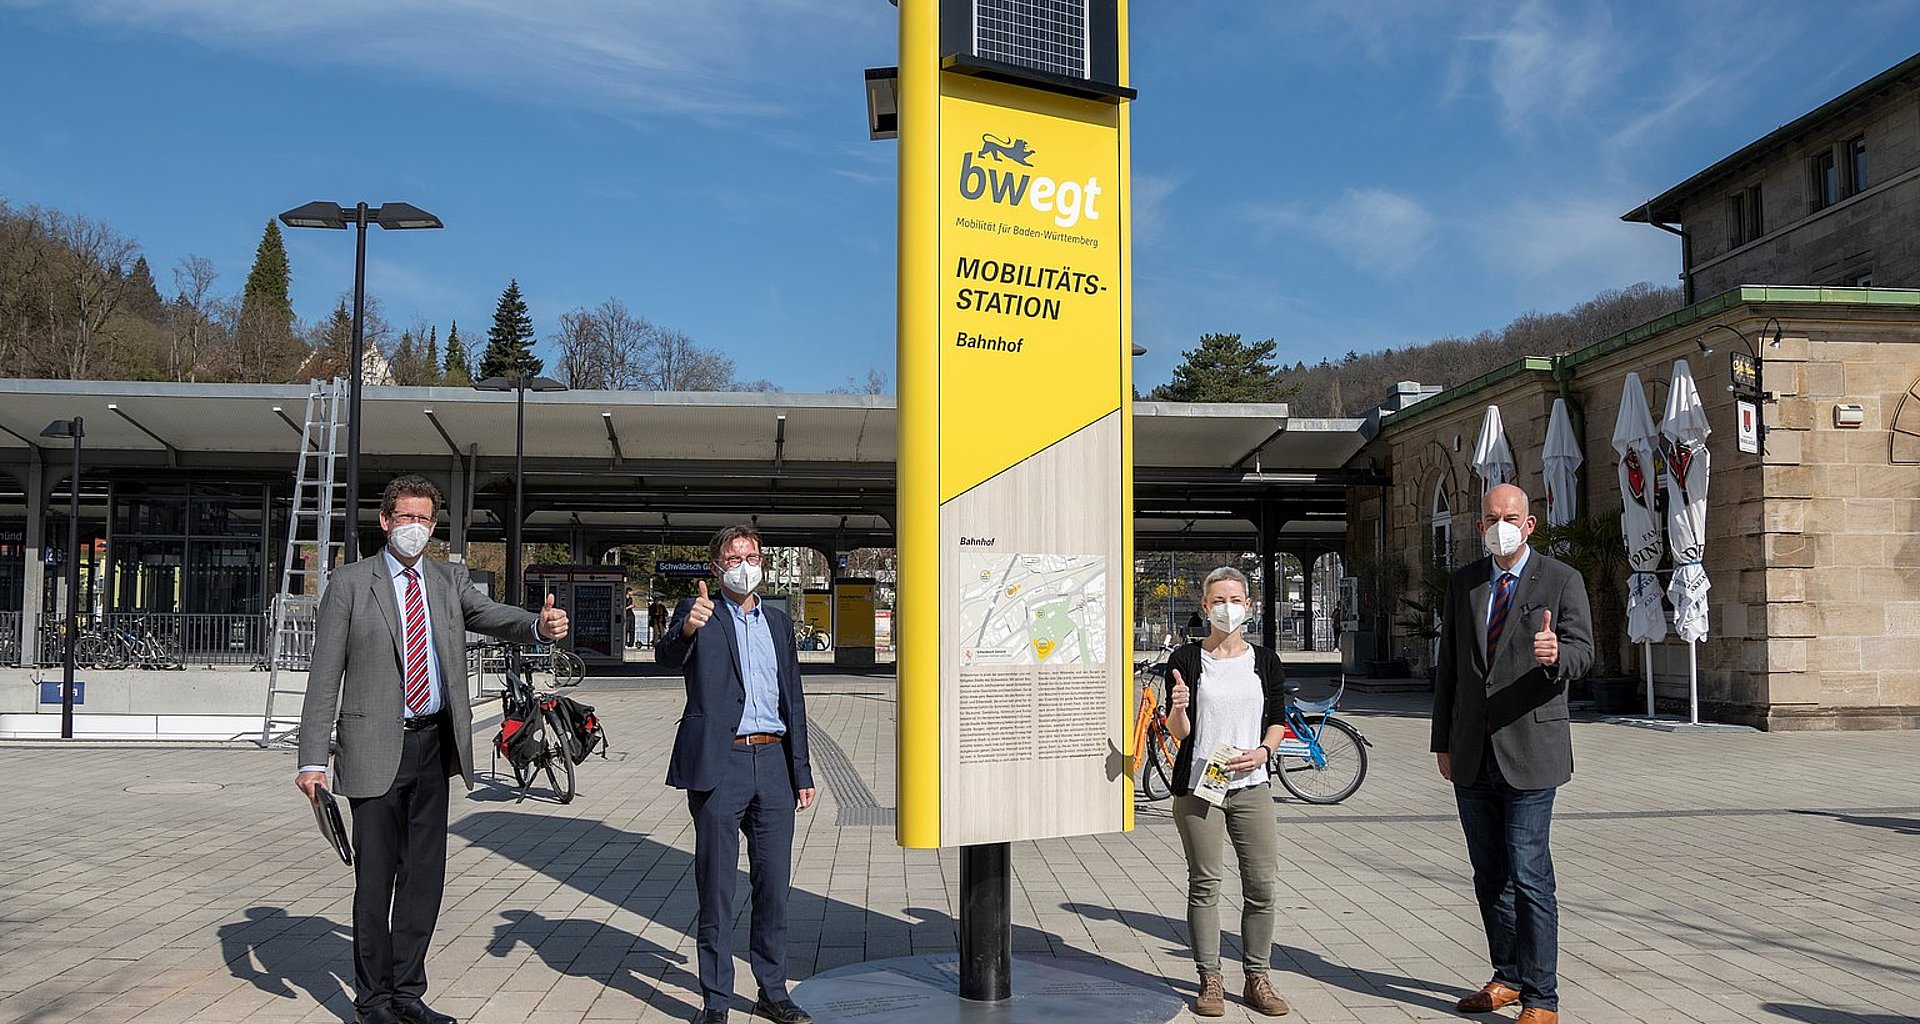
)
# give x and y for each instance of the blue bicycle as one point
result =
(1322, 759)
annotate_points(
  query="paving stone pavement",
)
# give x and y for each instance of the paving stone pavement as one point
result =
(1704, 877)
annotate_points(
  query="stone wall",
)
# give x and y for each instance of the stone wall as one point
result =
(1813, 549)
(1872, 232)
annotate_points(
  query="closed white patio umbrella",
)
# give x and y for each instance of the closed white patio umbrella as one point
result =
(1492, 457)
(1560, 462)
(1685, 430)
(1634, 442)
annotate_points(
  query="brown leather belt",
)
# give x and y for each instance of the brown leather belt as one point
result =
(757, 739)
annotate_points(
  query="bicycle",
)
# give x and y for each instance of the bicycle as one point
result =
(807, 637)
(548, 747)
(1321, 759)
(564, 666)
(1153, 744)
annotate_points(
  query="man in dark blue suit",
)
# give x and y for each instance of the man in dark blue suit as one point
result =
(741, 754)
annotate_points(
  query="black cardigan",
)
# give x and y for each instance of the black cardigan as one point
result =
(1186, 659)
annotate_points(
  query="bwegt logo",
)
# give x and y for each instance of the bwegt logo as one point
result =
(1068, 201)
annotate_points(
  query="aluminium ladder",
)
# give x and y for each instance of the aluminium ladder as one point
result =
(317, 524)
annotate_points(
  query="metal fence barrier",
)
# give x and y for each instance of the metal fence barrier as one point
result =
(201, 639)
(10, 638)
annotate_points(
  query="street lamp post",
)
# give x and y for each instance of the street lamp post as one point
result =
(393, 217)
(519, 384)
(74, 428)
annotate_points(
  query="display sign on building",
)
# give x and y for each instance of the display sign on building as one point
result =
(1747, 420)
(1015, 443)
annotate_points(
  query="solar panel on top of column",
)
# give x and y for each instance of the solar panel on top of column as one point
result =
(1047, 35)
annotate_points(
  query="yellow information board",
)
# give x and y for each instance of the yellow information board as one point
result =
(1015, 454)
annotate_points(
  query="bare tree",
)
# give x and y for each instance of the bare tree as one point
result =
(190, 316)
(875, 383)
(604, 348)
(674, 363)
(64, 276)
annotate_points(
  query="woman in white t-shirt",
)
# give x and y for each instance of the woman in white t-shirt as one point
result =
(1228, 693)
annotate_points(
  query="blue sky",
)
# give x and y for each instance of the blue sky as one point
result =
(1336, 174)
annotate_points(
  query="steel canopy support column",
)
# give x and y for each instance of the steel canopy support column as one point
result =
(1269, 569)
(1306, 601)
(986, 922)
(33, 591)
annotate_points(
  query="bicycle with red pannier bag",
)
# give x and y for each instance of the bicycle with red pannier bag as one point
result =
(544, 733)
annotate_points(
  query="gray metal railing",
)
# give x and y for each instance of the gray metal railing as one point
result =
(10, 638)
(201, 639)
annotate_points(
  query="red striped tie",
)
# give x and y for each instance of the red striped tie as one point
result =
(418, 687)
(1497, 621)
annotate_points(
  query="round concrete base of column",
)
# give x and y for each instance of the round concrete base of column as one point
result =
(1046, 990)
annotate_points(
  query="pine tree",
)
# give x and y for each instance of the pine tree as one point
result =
(1222, 368)
(266, 348)
(457, 370)
(142, 297)
(433, 354)
(510, 340)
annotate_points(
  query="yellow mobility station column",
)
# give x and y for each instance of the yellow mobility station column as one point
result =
(1015, 454)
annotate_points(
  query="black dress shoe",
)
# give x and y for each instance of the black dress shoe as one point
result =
(711, 1017)
(378, 1015)
(781, 1011)
(414, 1011)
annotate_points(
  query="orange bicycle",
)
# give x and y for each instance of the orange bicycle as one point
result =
(1153, 745)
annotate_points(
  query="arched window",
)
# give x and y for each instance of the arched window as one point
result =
(1440, 526)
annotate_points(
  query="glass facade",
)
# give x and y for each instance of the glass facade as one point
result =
(194, 547)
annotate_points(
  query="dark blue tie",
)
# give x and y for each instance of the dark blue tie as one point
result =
(1502, 600)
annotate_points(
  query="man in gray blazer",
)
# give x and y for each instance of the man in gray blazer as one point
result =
(1514, 632)
(389, 672)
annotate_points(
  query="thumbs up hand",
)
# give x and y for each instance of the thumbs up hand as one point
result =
(553, 621)
(697, 615)
(1546, 643)
(1180, 696)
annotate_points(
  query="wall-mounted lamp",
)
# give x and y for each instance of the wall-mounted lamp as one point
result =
(883, 103)
(1849, 415)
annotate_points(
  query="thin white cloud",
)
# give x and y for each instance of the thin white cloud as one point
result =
(619, 57)
(1563, 251)
(1547, 62)
(1373, 229)
(1150, 195)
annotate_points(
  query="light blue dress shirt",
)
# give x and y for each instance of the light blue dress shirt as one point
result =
(759, 668)
(1518, 572)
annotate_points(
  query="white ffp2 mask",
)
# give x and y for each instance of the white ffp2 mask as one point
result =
(1227, 616)
(1502, 539)
(410, 539)
(742, 578)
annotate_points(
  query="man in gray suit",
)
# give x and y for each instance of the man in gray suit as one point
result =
(389, 670)
(1515, 631)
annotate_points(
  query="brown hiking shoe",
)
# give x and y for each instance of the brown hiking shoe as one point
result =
(1261, 996)
(1213, 996)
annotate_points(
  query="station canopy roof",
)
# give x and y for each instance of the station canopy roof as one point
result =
(653, 464)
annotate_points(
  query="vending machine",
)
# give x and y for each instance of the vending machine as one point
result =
(595, 600)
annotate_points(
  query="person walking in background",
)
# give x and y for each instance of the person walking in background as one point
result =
(1514, 632)
(388, 670)
(741, 754)
(656, 621)
(1229, 692)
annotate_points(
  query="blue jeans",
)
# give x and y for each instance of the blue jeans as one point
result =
(1507, 833)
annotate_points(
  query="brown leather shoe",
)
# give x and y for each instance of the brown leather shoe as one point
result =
(1213, 996)
(1536, 1015)
(1492, 996)
(1260, 996)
